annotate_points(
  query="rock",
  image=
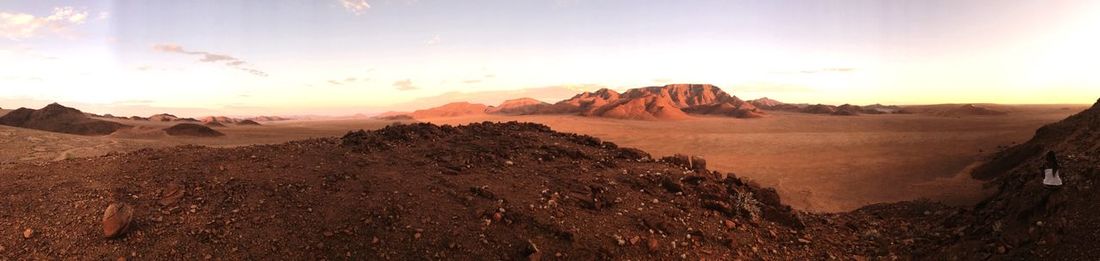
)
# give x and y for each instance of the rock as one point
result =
(698, 164)
(634, 240)
(729, 224)
(671, 184)
(116, 219)
(172, 194)
(532, 251)
(653, 244)
(27, 234)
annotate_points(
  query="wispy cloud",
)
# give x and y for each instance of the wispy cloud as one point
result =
(662, 81)
(356, 7)
(208, 57)
(819, 70)
(404, 85)
(471, 81)
(18, 26)
(768, 87)
(434, 41)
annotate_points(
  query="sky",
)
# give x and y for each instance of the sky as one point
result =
(295, 57)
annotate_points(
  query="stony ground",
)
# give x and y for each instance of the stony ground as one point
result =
(502, 191)
(483, 191)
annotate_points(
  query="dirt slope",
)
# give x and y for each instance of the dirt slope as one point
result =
(482, 191)
(57, 118)
(1026, 220)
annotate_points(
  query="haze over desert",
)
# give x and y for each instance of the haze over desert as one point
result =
(549, 130)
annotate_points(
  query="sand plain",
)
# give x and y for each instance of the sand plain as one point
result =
(818, 163)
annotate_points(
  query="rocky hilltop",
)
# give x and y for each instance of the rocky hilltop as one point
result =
(480, 191)
(58, 118)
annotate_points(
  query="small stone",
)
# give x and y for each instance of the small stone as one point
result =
(634, 240)
(172, 194)
(729, 224)
(653, 244)
(328, 234)
(416, 236)
(374, 240)
(804, 241)
(509, 162)
(1001, 250)
(27, 234)
(497, 217)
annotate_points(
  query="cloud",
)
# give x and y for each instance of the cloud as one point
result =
(434, 41)
(662, 81)
(404, 85)
(471, 81)
(490, 76)
(549, 94)
(766, 87)
(347, 80)
(356, 7)
(208, 57)
(18, 26)
(819, 70)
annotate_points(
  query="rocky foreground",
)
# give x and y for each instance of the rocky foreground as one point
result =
(488, 191)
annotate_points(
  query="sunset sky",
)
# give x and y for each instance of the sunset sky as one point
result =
(354, 56)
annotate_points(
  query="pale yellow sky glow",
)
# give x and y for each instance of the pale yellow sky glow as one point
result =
(367, 58)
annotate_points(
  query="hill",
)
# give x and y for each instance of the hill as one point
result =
(57, 118)
(453, 109)
(519, 106)
(193, 130)
(1026, 220)
(480, 191)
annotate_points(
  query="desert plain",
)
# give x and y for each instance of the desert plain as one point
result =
(818, 163)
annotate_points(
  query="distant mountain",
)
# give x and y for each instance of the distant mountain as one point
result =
(582, 103)
(57, 118)
(269, 118)
(765, 103)
(163, 117)
(668, 102)
(970, 110)
(453, 109)
(842, 110)
(519, 106)
(220, 119)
